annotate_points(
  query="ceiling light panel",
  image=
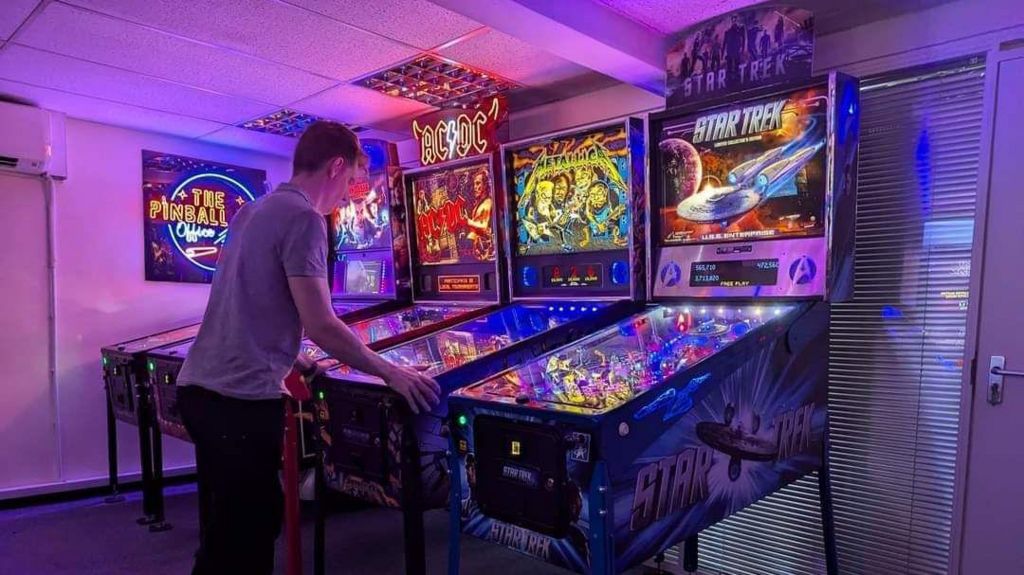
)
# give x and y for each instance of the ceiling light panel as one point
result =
(286, 122)
(437, 82)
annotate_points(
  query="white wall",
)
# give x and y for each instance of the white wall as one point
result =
(102, 298)
(28, 453)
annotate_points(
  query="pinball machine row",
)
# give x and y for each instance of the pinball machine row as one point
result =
(572, 277)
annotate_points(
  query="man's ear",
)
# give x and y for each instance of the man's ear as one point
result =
(336, 167)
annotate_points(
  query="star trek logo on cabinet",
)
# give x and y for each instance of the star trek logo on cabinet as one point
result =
(740, 51)
(188, 205)
(520, 539)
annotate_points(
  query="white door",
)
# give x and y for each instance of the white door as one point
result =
(992, 535)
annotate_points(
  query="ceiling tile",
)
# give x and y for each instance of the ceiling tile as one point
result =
(248, 139)
(31, 66)
(13, 14)
(91, 36)
(512, 58)
(372, 134)
(420, 23)
(103, 111)
(360, 106)
(673, 16)
(268, 29)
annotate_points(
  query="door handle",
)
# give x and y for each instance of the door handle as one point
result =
(996, 372)
(1007, 372)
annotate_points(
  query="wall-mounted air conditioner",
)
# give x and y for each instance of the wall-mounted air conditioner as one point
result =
(32, 141)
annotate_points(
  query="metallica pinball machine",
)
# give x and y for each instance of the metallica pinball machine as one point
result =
(604, 453)
(374, 448)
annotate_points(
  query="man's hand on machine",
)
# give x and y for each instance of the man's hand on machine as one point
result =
(306, 367)
(420, 392)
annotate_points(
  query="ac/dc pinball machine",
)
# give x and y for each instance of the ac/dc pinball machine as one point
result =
(573, 271)
(606, 452)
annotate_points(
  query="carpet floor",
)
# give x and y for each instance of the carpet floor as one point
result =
(90, 536)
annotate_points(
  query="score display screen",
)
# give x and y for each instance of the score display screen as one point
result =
(734, 273)
(570, 194)
(573, 275)
(747, 172)
(363, 276)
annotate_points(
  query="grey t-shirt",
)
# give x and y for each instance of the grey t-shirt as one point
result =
(251, 331)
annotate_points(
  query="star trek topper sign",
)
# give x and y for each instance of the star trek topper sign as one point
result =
(460, 133)
(188, 205)
(740, 51)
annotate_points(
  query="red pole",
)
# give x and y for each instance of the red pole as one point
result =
(292, 512)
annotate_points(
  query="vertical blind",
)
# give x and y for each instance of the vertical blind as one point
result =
(896, 350)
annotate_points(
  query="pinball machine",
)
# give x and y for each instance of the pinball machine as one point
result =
(604, 453)
(374, 448)
(127, 400)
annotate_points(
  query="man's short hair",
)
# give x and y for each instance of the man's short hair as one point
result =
(322, 142)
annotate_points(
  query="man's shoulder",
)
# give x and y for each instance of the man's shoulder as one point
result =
(287, 205)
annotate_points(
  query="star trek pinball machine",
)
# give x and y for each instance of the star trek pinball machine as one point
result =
(604, 453)
(574, 267)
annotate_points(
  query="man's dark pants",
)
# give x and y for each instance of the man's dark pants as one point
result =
(238, 454)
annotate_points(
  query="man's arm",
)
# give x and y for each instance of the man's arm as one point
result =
(311, 296)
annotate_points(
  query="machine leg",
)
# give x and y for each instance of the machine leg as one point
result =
(828, 524)
(159, 522)
(320, 518)
(412, 506)
(690, 554)
(115, 490)
(290, 463)
(454, 510)
(146, 462)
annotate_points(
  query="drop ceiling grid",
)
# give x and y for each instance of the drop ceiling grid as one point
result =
(112, 113)
(13, 14)
(93, 37)
(511, 58)
(44, 69)
(417, 23)
(220, 62)
(669, 17)
(297, 36)
(241, 138)
(159, 39)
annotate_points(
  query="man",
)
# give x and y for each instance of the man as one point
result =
(604, 219)
(271, 284)
(539, 221)
(733, 45)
